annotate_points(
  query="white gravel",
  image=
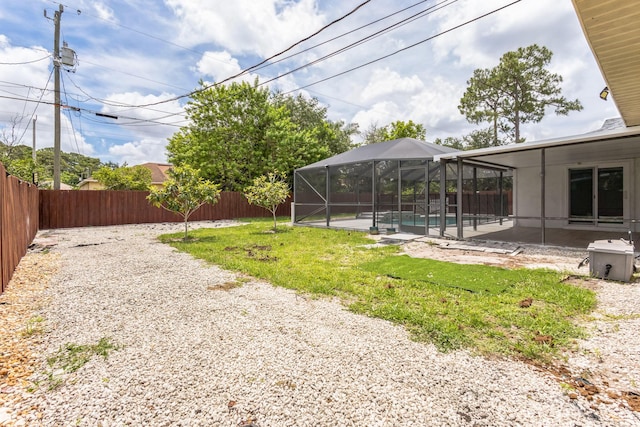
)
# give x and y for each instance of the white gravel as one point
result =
(258, 355)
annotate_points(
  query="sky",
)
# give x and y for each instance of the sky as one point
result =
(137, 61)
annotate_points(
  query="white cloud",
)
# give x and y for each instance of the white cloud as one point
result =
(385, 82)
(220, 66)
(245, 26)
(380, 114)
(138, 152)
(104, 11)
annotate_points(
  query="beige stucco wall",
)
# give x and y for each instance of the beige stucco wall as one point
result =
(90, 185)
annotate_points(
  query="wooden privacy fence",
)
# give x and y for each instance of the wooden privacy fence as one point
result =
(24, 210)
(18, 222)
(73, 208)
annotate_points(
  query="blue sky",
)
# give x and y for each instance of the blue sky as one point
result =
(139, 52)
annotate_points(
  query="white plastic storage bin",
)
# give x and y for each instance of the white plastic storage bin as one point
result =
(611, 259)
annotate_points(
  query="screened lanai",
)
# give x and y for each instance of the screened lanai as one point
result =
(388, 186)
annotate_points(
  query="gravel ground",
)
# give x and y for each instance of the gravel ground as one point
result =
(194, 352)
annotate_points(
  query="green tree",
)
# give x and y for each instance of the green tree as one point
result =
(183, 193)
(240, 131)
(450, 141)
(308, 115)
(482, 102)
(481, 138)
(124, 177)
(518, 90)
(73, 166)
(374, 134)
(395, 130)
(268, 191)
(400, 129)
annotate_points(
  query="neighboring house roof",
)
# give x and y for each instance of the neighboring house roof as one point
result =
(49, 184)
(611, 124)
(397, 149)
(158, 171)
(596, 147)
(612, 30)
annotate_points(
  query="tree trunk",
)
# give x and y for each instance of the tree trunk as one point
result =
(517, 126)
(186, 228)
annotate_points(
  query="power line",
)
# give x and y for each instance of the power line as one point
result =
(246, 70)
(133, 75)
(134, 119)
(75, 138)
(404, 49)
(37, 105)
(370, 37)
(142, 33)
(26, 62)
(304, 39)
(114, 104)
(261, 64)
(342, 35)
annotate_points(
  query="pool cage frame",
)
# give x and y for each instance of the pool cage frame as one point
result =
(399, 194)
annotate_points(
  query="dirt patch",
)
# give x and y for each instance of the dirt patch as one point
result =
(604, 368)
(21, 328)
(507, 256)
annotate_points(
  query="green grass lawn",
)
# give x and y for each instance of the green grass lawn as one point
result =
(490, 310)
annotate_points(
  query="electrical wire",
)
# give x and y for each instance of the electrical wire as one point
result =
(304, 39)
(75, 137)
(10, 84)
(403, 49)
(135, 120)
(36, 108)
(341, 35)
(148, 122)
(133, 75)
(26, 62)
(368, 38)
(119, 104)
(262, 63)
(247, 70)
(402, 22)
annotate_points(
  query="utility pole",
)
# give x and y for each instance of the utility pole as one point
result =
(33, 153)
(56, 70)
(34, 176)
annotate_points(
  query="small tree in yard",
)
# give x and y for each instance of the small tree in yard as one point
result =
(268, 191)
(184, 192)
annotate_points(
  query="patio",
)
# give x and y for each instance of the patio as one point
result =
(505, 232)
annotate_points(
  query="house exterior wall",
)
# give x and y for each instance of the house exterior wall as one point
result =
(634, 194)
(527, 195)
(89, 184)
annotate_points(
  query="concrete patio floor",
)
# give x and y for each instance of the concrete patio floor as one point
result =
(505, 232)
(570, 238)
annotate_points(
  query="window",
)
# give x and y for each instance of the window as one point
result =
(596, 195)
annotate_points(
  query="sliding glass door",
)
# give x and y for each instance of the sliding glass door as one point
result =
(596, 195)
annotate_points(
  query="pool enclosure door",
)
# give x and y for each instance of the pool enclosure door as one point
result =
(414, 199)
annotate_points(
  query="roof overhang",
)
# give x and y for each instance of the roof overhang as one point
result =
(612, 29)
(594, 147)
